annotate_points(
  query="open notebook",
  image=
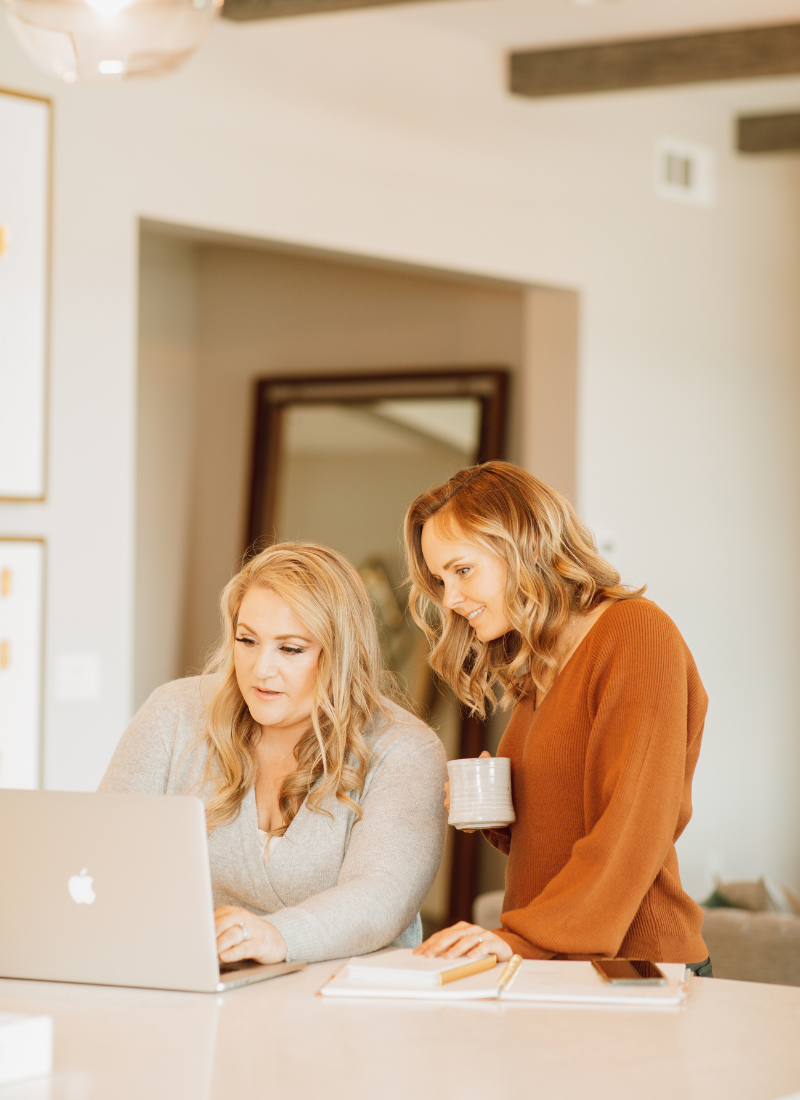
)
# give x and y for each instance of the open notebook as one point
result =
(401, 975)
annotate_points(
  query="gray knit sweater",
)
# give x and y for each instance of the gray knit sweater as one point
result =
(332, 888)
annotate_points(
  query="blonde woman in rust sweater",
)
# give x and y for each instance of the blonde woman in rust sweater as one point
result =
(605, 732)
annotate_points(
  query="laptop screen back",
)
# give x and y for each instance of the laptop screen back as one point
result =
(106, 888)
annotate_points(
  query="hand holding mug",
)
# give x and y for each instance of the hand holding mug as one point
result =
(447, 792)
(478, 794)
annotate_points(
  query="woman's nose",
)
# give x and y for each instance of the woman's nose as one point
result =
(265, 665)
(452, 597)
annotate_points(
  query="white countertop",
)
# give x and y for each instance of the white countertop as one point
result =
(731, 1040)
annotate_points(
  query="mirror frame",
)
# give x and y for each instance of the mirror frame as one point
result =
(273, 394)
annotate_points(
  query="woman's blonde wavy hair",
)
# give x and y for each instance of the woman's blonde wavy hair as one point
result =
(554, 571)
(327, 595)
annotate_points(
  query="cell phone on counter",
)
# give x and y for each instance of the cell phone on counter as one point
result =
(629, 972)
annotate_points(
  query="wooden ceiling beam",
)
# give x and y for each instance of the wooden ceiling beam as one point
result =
(769, 133)
(243, 10)
(657, 62)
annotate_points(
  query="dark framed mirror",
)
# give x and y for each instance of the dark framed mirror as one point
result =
(337, 460)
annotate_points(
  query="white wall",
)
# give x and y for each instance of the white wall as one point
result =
(212, 320)
(268, 314)
(166, 446)
(375, 133)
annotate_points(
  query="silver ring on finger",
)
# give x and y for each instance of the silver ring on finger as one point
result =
(480, 939)
(245, 932)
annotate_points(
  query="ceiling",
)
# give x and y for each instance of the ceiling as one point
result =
(519, 23)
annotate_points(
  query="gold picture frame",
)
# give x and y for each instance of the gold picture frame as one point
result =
(42, 414)
(25, 579)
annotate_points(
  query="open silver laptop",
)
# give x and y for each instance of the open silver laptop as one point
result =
(111, 889)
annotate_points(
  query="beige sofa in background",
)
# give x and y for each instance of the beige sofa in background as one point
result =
(753, 947)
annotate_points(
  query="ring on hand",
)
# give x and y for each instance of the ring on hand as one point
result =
(245, 932)
(480, 939)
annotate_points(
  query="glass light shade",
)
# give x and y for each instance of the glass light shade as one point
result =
(108, 40)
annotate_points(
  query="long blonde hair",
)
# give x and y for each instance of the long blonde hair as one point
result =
(554, 571)
(326, 593)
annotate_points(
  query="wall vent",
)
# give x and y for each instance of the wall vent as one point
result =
(685, 172)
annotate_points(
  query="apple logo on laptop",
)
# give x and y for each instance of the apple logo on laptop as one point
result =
(80, 888)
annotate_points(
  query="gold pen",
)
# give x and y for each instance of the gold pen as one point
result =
(473, 967)
(508, 975)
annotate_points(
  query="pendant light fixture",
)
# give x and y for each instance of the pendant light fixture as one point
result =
(109, 40)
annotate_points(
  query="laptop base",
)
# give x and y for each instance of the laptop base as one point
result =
(234, 975)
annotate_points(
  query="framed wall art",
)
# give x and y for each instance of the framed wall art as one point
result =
(25, 127)
(21, 616)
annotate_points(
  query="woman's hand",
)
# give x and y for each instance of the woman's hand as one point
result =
(241, 935)
(464, 939)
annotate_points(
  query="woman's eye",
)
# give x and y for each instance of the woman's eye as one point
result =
(462, 570)
(246, 641)
(291, 649)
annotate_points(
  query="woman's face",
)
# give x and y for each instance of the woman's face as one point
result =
(276, 658)
(472, 581)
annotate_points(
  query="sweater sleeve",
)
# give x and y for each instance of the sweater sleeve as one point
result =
(391, 860)
(635, 766)
(141, 760)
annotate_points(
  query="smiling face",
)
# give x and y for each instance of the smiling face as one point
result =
(472, 581)
(276, 659)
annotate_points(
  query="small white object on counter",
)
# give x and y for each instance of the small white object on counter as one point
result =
(26, 1047)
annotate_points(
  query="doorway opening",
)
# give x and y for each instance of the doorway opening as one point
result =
(224, 321)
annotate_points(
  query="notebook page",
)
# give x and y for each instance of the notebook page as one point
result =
(477, 987)
(557, 982)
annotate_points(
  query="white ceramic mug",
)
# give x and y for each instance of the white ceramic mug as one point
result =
(480, 793)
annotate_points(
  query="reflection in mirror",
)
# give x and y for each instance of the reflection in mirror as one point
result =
(347, 475)
(333, 466)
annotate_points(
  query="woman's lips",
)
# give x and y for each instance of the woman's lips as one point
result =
(264, 693)
(473, 615)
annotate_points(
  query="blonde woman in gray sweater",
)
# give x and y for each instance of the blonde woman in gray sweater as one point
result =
(323, 797)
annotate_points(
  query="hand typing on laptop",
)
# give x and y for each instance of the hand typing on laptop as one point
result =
(242, 935)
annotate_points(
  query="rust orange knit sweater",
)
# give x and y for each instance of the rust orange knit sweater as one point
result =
(601, 777)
